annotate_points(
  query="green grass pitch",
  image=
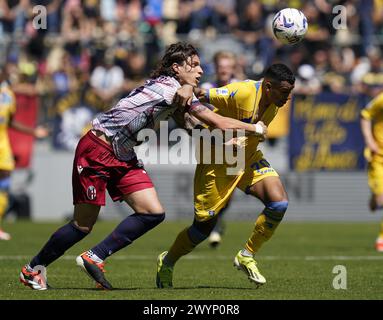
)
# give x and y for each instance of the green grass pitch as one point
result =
(298, 263)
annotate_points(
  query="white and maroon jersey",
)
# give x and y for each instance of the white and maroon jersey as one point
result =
(143, 108)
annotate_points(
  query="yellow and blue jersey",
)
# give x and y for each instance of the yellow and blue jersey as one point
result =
(374, 112)
(7, 109)
(213, 186)
(240, 100)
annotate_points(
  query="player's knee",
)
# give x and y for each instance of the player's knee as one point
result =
(276, 210)
(84, 227)
(379, 201)
(199, 231)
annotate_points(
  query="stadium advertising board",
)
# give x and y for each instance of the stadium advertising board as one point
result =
(325, 133)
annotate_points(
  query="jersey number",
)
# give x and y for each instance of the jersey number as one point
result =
(260, 164)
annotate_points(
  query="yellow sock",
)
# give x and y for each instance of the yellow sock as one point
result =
(263, 230)
(181, 246)
(381, 230)
(3, 204)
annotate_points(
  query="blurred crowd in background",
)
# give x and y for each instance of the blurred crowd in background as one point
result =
(110, 46)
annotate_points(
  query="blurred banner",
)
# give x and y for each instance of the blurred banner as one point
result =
(74, 113)
(21, 143)
(325, 133)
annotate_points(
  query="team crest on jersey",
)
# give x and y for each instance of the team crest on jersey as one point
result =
(222, 92)
(91, 193)
(211, 213)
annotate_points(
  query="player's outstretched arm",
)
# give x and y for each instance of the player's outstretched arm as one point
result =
(215, 120)
(38, 132)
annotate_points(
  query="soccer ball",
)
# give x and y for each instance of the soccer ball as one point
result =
(289, 26)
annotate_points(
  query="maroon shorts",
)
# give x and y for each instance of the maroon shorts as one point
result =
(96, 168)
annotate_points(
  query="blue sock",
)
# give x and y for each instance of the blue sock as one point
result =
(126, 232)
(59, 242)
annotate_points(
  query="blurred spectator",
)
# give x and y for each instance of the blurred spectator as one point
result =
(53, 13)
(306, 81)
(251, 32)
(225, 68)
(13, 16)
(75, 29)
(107, 79)
(134, 70)
(317, 33)
(337, 78)
(372, 80)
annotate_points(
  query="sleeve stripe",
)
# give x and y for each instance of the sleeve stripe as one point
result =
(208, 95)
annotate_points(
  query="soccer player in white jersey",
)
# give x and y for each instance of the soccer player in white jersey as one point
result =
(105, 160)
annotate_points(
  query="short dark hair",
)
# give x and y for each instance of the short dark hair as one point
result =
(176, 53)
(279, 72)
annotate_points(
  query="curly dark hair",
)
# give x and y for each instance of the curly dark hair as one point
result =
(176, 53)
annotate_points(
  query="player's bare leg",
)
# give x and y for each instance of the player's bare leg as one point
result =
(272, 193)
(148, 214)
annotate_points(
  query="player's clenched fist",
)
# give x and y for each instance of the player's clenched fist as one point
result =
(260, 130)
(183, 96)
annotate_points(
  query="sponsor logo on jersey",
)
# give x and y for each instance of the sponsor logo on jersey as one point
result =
(222, 92)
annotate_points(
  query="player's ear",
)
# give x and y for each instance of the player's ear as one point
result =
(268, 85)
(176, 68)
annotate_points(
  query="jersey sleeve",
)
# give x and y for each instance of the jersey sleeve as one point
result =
(373, 108)
(220, 97)
(196, 104)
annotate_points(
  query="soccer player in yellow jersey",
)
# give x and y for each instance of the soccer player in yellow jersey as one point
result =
(251, 102)
(7, 110)
(372, 129)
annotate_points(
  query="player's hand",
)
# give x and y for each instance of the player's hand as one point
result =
(260, 130)
(200, 94)
(184, 96)
(41, 132)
